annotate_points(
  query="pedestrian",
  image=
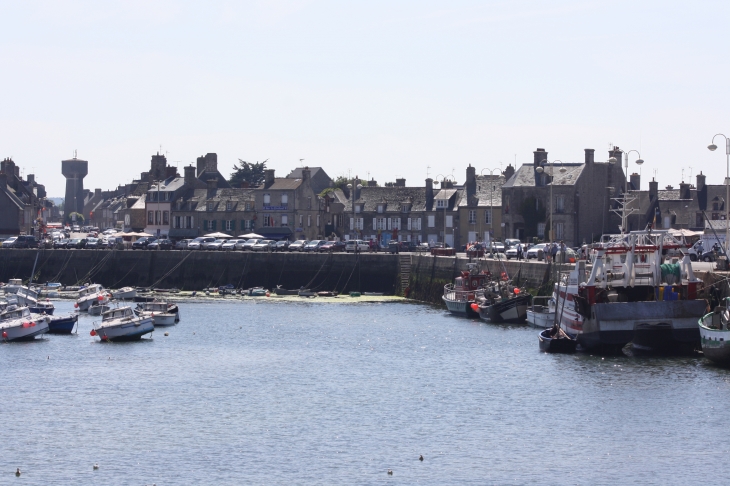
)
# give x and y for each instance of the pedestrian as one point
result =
(519, 251)
(553, 251)
(562, 251)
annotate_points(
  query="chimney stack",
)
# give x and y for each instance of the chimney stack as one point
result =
(589, 156)
(306, 173)
(653, 190)
(429, 193)
(617, 153)
(97, 192)
(190, 176)
(31, 179)
(268, 177)
(539, 157)
(635, 181)
(684, 191)
(471, 182)
(701, 192)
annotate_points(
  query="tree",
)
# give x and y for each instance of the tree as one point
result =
(79, 218)
(251, 172)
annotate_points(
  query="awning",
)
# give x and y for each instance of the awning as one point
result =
(183, 233)
(275, 232)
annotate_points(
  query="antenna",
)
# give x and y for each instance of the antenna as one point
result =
(428, 167)
(682, 174)
(74, 153)
(690, 175)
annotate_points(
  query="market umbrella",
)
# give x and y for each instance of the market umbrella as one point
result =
(217, 235)
(250, 235)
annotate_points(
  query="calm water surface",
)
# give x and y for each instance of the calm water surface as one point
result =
(313, 393)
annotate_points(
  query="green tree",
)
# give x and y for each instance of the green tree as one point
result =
(79, 218)
(251, 172)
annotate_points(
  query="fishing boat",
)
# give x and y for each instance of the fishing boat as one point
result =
(63, 324)
(555, 340)
(281, 291)
(97, 309)
(306, 293)
(89, 294)
(29, 298)
(632, 296)
(19, 324)
(257, 292)
(460, 295)
(541, 313)
(12, 286)
(121, 324)
(162, 313)
(125, 293)
(501, 302)
(715, 335)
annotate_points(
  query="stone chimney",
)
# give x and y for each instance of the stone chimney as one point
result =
(190, 176)
(429, 193)
(212, 184)
(268, 177)
(157, 166)
(200, 164)
(701, 192)
(372, 183)
(653, 190)
(31, 179)
(17, 172)
(669, 188)
(540, 156)
(635, 181)
(97, 193)
(589, 156)
(700, 181)
(684, 192)
(306, 173)
(400, 183)
(211, 162)
(618, 154)
(471, 183)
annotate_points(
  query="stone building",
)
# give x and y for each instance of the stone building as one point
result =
(582, 199)
(480, 207)
(21, 201)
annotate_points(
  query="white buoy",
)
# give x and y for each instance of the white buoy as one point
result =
(167, 334)
(96, 466)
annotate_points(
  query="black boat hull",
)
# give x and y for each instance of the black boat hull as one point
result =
(513, 311)
(549, 344)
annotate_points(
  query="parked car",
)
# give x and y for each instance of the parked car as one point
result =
(510, 242)
(93, 243)
(182, 244)
(314, 245)
(248, 244)
(197, 243)
(497, 247)
(161, 244)
(264, 245)
(282, 245)
(231, 244)
(75, 228)
(214, 245)
(62, 243)
(142, 243)
(401, 246)
(76, 243)
(9, 242)
(24, 241)
(297, 245)
(332, 246)
(356, 245)
(532, 252)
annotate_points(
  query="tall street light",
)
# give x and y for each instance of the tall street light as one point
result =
(491, 188)
(712, 148)
(540, 170)
(354, 186)
(624, 213)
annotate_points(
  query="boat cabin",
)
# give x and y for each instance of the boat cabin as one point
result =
(468, 281)
(120, 313)
(13, 312)
(153, 307)
(90, 290)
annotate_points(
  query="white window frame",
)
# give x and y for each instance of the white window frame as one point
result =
(284, 220)
(267, 199)
(431, 221)
(472, 216)
(449, 221)
(487, 216)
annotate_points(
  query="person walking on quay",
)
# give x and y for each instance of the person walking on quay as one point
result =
(562, 252)
(553, 251)
(519, 251)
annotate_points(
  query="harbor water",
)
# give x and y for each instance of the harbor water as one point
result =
(275, 392)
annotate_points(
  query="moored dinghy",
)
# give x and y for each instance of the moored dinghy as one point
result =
(122, 325)
(715, 334)
(90, 294)
(162, 313)
(125, 293)
(555, 340)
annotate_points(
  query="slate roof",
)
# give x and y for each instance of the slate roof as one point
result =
(525, 175)
(393, 197)
(487, 187)
(207, 175)
(198, 199)
(13, 197)
(283, 184)
(320, 179)
(170, 184)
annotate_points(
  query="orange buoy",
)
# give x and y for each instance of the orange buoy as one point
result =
(517, 291)
(93, 332)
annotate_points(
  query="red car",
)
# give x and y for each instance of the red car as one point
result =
(332, 246)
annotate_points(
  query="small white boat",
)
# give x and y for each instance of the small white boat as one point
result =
(714, 335)
(19, 324)
(121, 324)
(92, 293)
(541, 313)
(96, 309)
(125, 293)
(162, 313)
(12, 286)
(29, 298)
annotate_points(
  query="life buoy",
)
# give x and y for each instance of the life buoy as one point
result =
(504, 276)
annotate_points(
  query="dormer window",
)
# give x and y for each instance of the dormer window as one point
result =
(358, 208)
(229, 205)
(405, 208)
(210, 206)
(441, 203)
(381, 208)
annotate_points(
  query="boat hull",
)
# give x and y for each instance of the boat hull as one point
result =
(540, 320)
(48, 310)
(714, 339)
(128, 331)
(286, 292)
(553, 345)
(62, 324)
(511, 311)
(26, 331)
(125, 294)
(460, 307)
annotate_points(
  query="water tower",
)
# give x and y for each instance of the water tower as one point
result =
(74, 170)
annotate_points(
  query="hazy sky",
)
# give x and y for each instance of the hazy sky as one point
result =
(379, 88)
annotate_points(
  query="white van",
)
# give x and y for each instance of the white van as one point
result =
(358, 245)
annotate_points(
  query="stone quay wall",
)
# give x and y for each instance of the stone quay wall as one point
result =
(196, 270)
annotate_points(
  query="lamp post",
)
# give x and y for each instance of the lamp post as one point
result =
(624, 212)
(540, 170)
(354, 186)
(491, 189)
(712, 147)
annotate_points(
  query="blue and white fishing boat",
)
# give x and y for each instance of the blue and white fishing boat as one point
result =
(63, 324)
(19, 324)
(29, 298)
(121, 324)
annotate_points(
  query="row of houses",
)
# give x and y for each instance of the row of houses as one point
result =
(571, 201)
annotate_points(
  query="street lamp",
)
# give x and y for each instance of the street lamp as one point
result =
(541, 170)
(712, 147)
(446, 202)
(624, 202)
(354, 186)
(491, 188)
